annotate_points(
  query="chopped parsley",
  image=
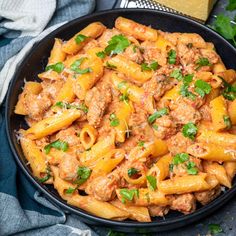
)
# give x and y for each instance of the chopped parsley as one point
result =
(59, 145)
(117, 44)
(58, 67)
(202, 61)
(110, 66)
(191, 168)
(66, 105)
(172, 56)
(80, 38)
(141, 143)
(132, 171)
(135, 48)
(176, 74)
(215, 229)
(227, 121)
(202, 87)
(77, 70)
(101, 54)
(184, 88)
(152, 66)
(171, 167)
(157, 114)
(83, 173)
(46, 177)
(114, 121)
(229, 92)
(189, 130)
(128, 194)
(152, 181)
(155, 126)
(70, 190)
(124, 97)
(180, 158)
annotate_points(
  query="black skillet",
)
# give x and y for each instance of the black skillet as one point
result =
(35, 62)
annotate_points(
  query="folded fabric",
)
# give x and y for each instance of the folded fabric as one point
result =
(23, 210)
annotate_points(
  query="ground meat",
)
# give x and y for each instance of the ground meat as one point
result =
(185, 203)
(182, 112)
(210, 54)
(134, 54)
(158, 210)
(205, 197)
(52, 87)
(68, 167)
(68, 135)
(158, 85)
(166, 127)
(97, 100)
(205, 112)
(103, 187)
(152, 53)
(36, 105)
(178, 143)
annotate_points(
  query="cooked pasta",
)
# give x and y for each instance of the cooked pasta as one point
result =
(130, 122)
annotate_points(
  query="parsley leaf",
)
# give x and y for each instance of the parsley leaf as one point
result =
(124, 97)
(215, 229)
(101, 54)
(152, 181)
(141, 143)
(223, 26)
(46, 177)
(171, 167)
(117, 44)
(59, 145)
(58, 67)
(128, 194)
(176, 74)
(189, 130)
(191, 168)
(184, 88)
(65, 105)
(70, 190)
(180, 158)
(132, 171)
(83, 173)
(229, 92)
(227, 121)
(152, 66)
(76, 69)
(114, 121)
(157, 114)
(231, 5)
(202, 87)
(80, 38)
(172, 56)
(202, 61)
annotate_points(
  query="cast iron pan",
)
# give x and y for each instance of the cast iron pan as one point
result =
(35, 63)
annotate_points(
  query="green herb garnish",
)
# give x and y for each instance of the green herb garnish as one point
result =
(191, 168)
(176, 74)
(70, 190)
(152, 181)
(215, 229)
(227, 121)
(189, 130)
(83, 173)
(114, 121)
(132, 171)
(59, 145)
(58, 67)
(157, 114)
(110, 66)
(77, 70)
(101, 54)
(65, 105)
(155, 126)
(184, 88)
(152, 66)
(46, 177)
(80, 38)
(229, 92)
(128, 194)
(172, 56)
(180, 158)
(202, 87)
(202, 61)
(141, 143)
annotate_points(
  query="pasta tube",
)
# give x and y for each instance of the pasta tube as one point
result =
(135, 29)
(212, 152)
(88, 136)
(184, 184)
(92, 31)
(130, 68)
(230, 168)
(52, 124)
(57, 55)
(232, 112)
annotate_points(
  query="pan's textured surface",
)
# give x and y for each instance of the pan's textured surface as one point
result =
(35, 62)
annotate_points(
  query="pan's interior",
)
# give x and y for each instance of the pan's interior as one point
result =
(36, 61)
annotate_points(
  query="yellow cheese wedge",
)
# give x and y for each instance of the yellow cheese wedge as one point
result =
(196, 8)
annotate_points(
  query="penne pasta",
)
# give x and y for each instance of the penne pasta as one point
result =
(88, 136)
(57, 55)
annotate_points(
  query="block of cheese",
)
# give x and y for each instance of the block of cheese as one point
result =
(199, 9)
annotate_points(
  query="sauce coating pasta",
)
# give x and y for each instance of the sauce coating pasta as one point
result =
(131, 122)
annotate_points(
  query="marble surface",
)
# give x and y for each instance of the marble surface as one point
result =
(226, 215)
